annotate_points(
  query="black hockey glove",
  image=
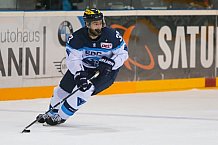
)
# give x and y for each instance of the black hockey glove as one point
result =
(105, 65)
(82, 81)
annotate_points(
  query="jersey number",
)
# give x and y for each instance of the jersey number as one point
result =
(70, 37)
(118, 36)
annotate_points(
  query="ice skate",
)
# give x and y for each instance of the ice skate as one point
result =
(42, 118)
(54, 120)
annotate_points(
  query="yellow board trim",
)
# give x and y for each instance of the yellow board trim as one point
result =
(116, 88)
(26, 93)
(154, 86)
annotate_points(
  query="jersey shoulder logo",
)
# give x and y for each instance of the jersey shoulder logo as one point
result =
(106, 45)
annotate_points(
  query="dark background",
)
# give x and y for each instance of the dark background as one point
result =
(146, 33)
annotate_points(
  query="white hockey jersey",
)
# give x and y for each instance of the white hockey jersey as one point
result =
(84, 52)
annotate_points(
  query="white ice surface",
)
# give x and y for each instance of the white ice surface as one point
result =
(164, 118)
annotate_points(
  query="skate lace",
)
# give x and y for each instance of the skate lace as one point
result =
(44, 116)
(56, 118)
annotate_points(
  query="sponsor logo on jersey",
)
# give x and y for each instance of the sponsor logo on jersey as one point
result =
(88, 52)
(106, 45)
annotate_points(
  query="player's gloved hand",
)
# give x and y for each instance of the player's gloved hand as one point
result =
(105, 65)
(82, 81)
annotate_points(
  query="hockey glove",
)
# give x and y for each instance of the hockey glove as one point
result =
(105, 65)
(82, 81)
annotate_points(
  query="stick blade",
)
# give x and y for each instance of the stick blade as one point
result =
(26, 131)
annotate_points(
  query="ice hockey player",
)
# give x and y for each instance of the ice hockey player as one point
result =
(92, 48)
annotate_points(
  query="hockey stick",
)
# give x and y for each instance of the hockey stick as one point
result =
(26, 130)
